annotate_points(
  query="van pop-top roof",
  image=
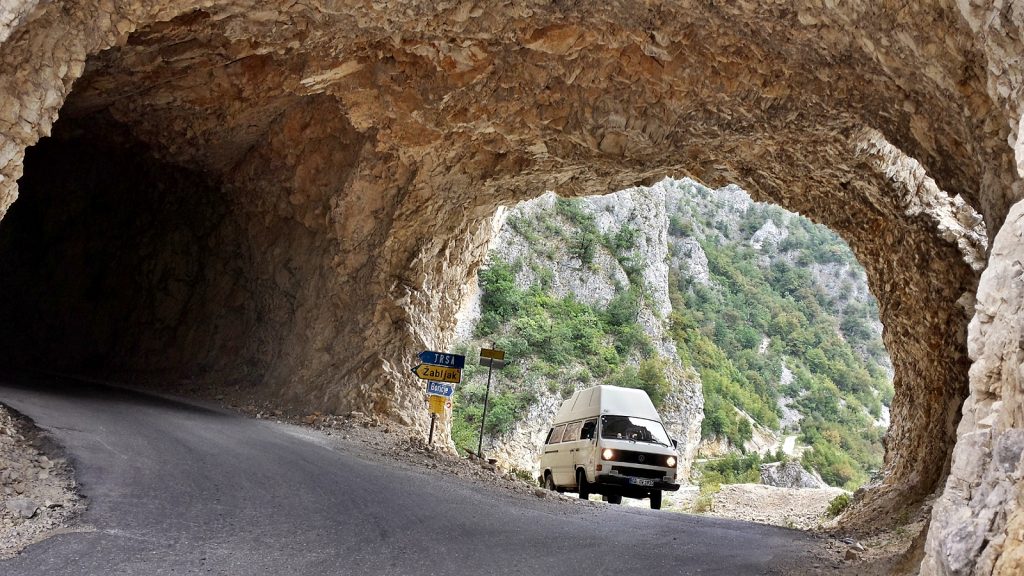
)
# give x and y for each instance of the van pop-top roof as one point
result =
(604, 399)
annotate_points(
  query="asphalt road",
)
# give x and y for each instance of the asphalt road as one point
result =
(177, 488)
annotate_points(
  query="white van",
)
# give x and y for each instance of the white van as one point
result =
(609, 440)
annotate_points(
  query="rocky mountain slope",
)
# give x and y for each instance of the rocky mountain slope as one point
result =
(750, 326)
(577, 293)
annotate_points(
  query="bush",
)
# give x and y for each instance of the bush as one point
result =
(732, 469)
(649, 377)
(706, 499)
(838, 505)
(584, 247)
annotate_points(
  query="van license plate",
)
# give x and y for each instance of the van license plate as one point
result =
(642, 481)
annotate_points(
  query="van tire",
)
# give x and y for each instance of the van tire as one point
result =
(615, 499)
(582, 486)
(655, 499)
(549, 482)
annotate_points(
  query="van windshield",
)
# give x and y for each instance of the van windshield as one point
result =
(634, 429)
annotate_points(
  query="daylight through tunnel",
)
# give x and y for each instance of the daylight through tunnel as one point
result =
(292, 203)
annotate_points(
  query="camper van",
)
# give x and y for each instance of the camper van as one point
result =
(609, 440)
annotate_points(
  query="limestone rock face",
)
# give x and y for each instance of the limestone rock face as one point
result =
(356, 154)
(979, 514)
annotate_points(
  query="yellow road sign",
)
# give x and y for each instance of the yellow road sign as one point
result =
(438, 373)
(437, 404)
(492, 354)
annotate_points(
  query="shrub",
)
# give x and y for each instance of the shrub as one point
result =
(649, 377)
(732, 469)
(838, 505)
(706, 499)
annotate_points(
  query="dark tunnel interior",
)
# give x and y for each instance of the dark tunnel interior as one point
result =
(103, 254)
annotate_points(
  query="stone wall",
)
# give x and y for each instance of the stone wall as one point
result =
(390, 131)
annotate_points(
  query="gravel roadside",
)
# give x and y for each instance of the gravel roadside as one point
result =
(38, 495)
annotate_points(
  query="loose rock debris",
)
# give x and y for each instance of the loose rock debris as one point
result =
(38, 496)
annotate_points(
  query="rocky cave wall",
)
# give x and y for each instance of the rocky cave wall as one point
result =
(358, 152)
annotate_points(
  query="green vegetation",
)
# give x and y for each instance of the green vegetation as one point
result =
(564, 342)
(558, 331)
(755, 315)
(649, 377)
(838, 504)
(760, 315)
(734, 469)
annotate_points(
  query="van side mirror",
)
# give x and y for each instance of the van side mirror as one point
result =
(675, 443)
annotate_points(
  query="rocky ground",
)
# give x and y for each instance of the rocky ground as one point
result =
(803, 508)
(37, 488)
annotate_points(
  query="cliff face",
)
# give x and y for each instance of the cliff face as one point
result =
(359, 152)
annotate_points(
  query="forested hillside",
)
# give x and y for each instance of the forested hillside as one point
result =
(675, 289)
(780, 325)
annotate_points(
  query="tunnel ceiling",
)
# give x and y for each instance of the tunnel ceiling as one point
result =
(353, 155)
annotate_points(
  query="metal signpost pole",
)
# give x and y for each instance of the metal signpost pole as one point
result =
(430, 439)
(488, 357)
(480, 445)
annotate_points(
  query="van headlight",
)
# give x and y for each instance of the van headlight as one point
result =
(607, 454)
(671, 462)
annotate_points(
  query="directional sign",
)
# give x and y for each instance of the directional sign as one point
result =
(437, 404)
(438, 373)
(443, 359)
(440, 389)
(492, 363)
(493, 354)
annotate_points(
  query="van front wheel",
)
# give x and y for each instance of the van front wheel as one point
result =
(615, 499)
(655, 499)
(583, 487)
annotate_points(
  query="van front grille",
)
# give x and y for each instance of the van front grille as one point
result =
(638, 472)
(645, 458)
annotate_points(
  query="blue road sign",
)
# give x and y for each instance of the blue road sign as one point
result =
(440, 389)
(443, 359)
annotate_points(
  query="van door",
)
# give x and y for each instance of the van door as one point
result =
(585, 454)
(570, 445)
(552, 450)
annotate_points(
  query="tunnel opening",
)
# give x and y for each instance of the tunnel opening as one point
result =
(105, 257)
(179, 227)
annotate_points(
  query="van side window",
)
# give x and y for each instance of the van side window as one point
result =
(556, 434)
(572, 432)
(589, 427)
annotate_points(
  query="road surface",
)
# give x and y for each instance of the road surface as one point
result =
(177, 488)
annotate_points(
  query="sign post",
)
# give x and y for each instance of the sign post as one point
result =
(437, 405)
(441, 371)
(492, 359)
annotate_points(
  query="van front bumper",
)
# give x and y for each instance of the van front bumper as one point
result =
(624, 482)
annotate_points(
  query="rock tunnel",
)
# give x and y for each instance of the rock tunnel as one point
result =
(293, 200)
